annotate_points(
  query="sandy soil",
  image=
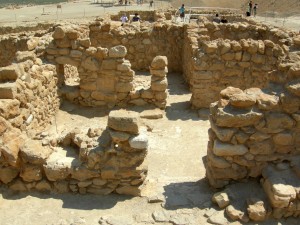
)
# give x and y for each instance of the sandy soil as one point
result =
(80, 9)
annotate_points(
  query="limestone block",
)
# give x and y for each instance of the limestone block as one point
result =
(43, 186)
(72, 34)
(224, 149)
(203, 75)
(253, 47)
(75, 53)
(230, 91)
(61, 186)
(210, 47)
(259, 59)
(34, 153)
(289, 102)
(224, 134)
(101, 52)
(85, 42)
(121, 120)
(17, 185)
(263, 147)
(259, 136)
(109, 64)
(283, 139)
(118, 136)
(227, 117)
(124, 67)
(99, 181)
(152, 114)
(139, 102)
(221, 198)
(294, 87)
(11, 72)
(160, 85)
(236, 214)
(108, 173)
(236, 46)
(218, 162)
(30, 173)
(58, 33)
(25, 55)
(63, 43)
(88, 86)
(7, 174)
(139, 142)
(159, 73)
(267, 102)
(224, 47)
(256, 210)
(159, 62)
(12, 141)
(106, 84)
(147, 94)
(161, 95)
(58, 166)
(242, 100)
(90, 64)
(228, 56)
(275, 121)
(66, 60)
(119, 51)
(81, 173)
(124, 87)
(9, 108)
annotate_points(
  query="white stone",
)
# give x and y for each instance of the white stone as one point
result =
(139, 142)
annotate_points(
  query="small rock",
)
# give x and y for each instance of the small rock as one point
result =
(218, 218)
(221, 198)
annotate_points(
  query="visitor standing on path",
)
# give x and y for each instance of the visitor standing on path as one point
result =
(182, 11)
(255, 9)
(250, 7)
(124, 19)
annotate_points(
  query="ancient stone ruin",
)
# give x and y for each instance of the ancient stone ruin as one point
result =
(246, 73)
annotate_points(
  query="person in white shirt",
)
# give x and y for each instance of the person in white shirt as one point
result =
(124, 19)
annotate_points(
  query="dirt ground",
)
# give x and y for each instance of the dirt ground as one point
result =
(176, 182)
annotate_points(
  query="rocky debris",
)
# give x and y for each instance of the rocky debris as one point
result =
(151, 114)
(256, 210)
(218, 218)
(221, 198)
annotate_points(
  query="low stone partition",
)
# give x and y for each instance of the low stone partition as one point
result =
(249, 130)
(97, 162)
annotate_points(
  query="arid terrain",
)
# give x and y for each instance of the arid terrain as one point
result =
(176, 190)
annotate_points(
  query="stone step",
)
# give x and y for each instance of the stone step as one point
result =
(8, 90)
(11, 72)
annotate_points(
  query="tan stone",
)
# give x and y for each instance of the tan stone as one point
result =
(7, 174)
(119, 51)
(263, 147)
(30, 173)
(122, 120)
(159, 62)
(283, 139)
(221, 198)
(34, 153)
(230, 91)
(242, 100)
(129, 190)
(236, 214)
(9, 108)
(224, 149)
(160, 85)
(58, 33)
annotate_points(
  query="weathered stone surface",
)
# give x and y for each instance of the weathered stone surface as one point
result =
(283, 139)
(294, 87)
(256, 210)
(227, 117)
(224, 149)
(7, 174)
(34, 153)
(221, 198)
(242, 100)
(159, 62)
(26, 55)
(11, 72)
(139, 142)
(9, 108)
(151, 114)
(236, 214)
(58, 33)
(8, 90)
(122, 120)
(118, 136)
(30, 173)
(229, 92)
(119, 51)
(160, 85)
(91, 64)
(224, 134)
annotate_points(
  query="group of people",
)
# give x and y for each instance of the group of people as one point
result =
(217, 19)
(135, 18)
(252, 9)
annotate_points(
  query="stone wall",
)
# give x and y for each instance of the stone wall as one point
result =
(106, 78)
(97, 162)
(28, 93)
(143, 41)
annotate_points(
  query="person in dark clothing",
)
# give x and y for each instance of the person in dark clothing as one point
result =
(250, 7)
(224, 20)
(136, 18)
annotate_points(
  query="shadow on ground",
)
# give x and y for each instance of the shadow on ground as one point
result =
(188, 195)
(72, 201)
